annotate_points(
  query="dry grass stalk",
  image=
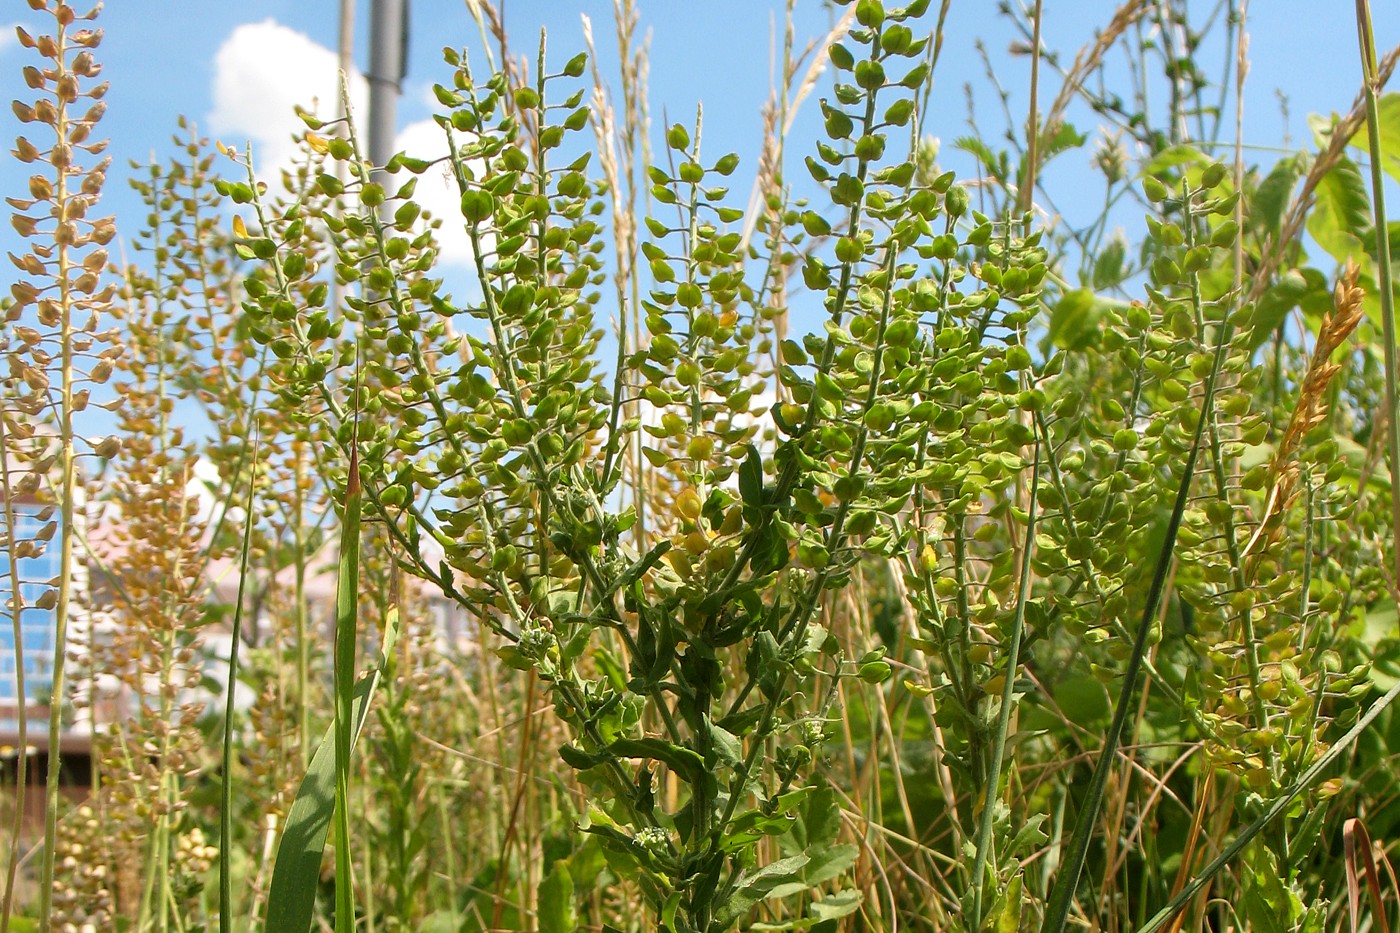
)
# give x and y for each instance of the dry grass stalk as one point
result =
(1088, 59)
(1311, 407)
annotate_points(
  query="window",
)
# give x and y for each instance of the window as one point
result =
(36, 625)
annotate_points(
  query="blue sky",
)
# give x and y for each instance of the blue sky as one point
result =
(236, 68)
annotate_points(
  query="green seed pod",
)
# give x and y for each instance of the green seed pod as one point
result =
(956, 201)
(870, 75)
(1224, 235)
(575, 65)
(870, 13)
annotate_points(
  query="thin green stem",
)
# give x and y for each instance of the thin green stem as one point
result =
(226, 785)
(1008, 695)
(1384, 286)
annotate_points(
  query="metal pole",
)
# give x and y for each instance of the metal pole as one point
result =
(388, 41)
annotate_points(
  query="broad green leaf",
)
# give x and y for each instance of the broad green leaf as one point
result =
(1007, 916)
(821, 818)
(1267, 905)
(688, 765)
(1174, 157)
(760, 885)
(835, 906)
(1108, 265)
(1074, 321)
(555, 911)
(1388, 113)
(727, 746)
(440, 921)
(1083, 700)
(829, 863)
(751, 478)
(1029, 837)
(296, 874)
(1292, 288)
(1340, 219)
(1272, 196)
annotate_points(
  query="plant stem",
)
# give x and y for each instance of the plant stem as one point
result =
(226, 785)
(67, 490)
(1008, 695)
(1370, 88)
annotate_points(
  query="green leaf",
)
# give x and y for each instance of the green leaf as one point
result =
(296, 874)
(1267, 906)
(821, 818)
(1293, 287)
(1388, 114)
(829, 863)
(751, 478)
(635, 572)
(727, 746)
(581, 760)
(1030, 836)
(1083, 700)
(555, 902)
(1340, 219)
(1174, 157)
(439, 921)
(835, 906)
(1272, 196)
(1108, 265)
(688, 764)
(1007, 913)
(758, 886)
(1074, 321)
(994, 164)
(347, 603)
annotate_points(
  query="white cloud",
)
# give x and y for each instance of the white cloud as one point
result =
(261, 73)
(264, 70)
(8, 39)
(437, 189)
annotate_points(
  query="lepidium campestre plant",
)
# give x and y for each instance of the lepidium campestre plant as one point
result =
(56, 350)
(703, 657)
(155, 544)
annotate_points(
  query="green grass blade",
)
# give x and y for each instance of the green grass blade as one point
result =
(1008, 693)
(324, 792)
(346, 606)
(226, 791)
(297, 871)
(1384, 284)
